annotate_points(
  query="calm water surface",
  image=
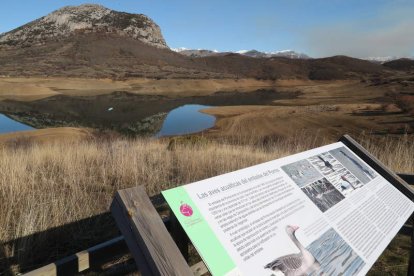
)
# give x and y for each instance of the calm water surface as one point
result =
(186, 119)
(10, 125)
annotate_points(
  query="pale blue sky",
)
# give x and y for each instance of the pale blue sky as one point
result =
(318, 28)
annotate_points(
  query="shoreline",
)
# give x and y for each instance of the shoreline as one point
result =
(46, 135)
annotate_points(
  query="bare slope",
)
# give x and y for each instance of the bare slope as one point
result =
(97, 55)
(403, 64)
(107, 55)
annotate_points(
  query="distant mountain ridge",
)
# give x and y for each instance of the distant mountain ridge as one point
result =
(85, 18)
(402, 64)
(386, 59)
(250, 53)
(196, 52)
(91, 41)
(283, 53)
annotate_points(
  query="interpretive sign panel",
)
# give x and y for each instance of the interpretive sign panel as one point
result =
(320, 212)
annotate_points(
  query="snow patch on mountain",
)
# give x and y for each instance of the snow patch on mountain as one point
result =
(195, 52)
(251, 53)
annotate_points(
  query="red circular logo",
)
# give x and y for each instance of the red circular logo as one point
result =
(186, 210)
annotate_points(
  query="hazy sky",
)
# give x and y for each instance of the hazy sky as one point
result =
(359, 28)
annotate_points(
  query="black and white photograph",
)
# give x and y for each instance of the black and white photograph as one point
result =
(323, 194)
(336, 173)
(302, 172)
(327, 255)
(334, 255)
(353, 164)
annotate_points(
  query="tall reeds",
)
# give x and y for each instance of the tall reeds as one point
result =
(54, 196)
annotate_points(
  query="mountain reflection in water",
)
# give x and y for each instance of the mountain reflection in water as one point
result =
(129, 113)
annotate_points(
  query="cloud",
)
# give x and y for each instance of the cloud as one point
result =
(390, 34)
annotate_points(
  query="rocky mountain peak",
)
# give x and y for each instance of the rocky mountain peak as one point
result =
(86, 18)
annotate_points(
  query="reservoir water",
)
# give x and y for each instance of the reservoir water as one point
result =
(186, 119)
(10, 125)
(128, 113)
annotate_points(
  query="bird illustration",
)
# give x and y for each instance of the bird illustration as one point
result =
(343, 177)
(326, 163)
(298, 264)
(356, 163)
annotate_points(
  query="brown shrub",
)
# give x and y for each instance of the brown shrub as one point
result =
(406, 103)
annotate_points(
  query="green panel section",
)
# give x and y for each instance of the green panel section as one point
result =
(200, 233)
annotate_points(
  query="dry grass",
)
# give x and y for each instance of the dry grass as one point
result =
(34, 88)
(54, 196)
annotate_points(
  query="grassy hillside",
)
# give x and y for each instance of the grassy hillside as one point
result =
(108, 55)
(54, 195)
(403, 64)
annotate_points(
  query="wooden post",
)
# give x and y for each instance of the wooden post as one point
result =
(97, 255)
(86, 259)
(151, 245)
